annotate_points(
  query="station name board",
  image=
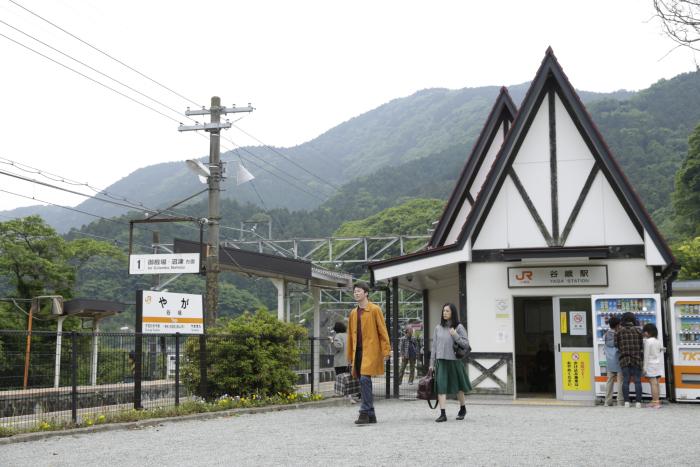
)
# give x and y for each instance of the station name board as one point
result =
(558, 276)
(169, 313)
(172, 263)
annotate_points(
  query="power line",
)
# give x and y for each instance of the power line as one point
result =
(91, 79)
(286, 158)
(103, 53)
(138, 102)
(91, 68)
(49, 185)
(68, 181)
(135, 100)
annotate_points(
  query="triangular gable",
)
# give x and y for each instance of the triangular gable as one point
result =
(554, 179)
(474, 172)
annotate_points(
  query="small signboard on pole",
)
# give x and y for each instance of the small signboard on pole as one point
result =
(171, 263)
(170, 313)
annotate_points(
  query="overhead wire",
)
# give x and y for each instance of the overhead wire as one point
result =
(271, 148)
(91, 68)
(89, 78)
(103, 53)
(135, 90)
(104, 192)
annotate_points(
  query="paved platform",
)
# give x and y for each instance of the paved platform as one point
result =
(492, 434)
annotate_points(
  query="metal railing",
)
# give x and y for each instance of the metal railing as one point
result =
(72, 376)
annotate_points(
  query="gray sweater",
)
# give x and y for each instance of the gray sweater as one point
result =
(443, 341)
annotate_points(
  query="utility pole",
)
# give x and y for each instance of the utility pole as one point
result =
(216, 175)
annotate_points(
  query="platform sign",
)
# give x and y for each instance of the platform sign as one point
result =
(170, 263)
(168, 313)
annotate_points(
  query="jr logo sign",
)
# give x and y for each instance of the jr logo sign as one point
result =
(524, 275)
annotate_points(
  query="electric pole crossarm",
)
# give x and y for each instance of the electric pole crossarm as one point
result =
(205, 127)
(222, 110)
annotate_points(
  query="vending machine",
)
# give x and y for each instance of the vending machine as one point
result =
(646, 309)
(685, 336)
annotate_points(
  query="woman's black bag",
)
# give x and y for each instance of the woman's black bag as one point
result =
(426, 389)
(460, 352)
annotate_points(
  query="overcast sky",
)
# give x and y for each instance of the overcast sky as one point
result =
(306, 66)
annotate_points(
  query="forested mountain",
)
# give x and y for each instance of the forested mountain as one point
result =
(428, 123)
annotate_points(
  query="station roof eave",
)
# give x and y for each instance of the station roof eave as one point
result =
(421, 270)
(270, 266)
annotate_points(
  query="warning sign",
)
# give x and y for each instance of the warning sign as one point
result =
(577, 371)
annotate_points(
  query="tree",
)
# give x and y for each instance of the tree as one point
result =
(680, 20)
(686, 198)
(35, 260)
(688, 255)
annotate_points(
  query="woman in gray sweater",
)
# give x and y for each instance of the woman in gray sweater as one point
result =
(450, 376)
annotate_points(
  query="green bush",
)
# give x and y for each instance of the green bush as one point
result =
(251, 354)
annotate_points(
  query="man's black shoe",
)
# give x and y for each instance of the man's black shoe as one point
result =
(363, 419)
(373, 419)
(441, 418)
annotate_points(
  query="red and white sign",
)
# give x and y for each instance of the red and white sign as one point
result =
(577, 321)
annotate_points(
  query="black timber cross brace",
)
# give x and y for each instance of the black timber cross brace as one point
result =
(503, 359)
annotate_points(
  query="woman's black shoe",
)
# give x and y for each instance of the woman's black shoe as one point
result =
(462, 413)
(441, 418)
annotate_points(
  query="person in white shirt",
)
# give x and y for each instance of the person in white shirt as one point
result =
(653, 362)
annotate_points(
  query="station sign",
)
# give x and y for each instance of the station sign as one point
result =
(558, 276)
(169, 263)
(168, 313)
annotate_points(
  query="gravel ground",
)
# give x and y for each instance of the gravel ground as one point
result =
(500, 434)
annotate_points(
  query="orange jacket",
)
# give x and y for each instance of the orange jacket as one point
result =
(375, 340)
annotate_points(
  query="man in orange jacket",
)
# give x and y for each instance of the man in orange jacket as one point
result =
(368, 348)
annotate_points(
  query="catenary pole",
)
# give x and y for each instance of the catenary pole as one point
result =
(216, 175)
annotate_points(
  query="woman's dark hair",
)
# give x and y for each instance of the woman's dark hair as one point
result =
(628, 317)
(613, 322)
(651, 330)
(454, 319)
(339, 326)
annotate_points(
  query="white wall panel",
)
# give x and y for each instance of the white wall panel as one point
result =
(651, 253)
(522, 229)
(570, 144)
(487, 163)
(456, 228)
(589, 228)
(535, 147)
(494, 232)
(571, 176)
(619, 229)
(535, 178)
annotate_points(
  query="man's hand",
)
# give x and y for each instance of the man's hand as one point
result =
(353, 371)
(453, 332)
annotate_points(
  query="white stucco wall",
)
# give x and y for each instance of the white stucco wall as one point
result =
(487, 282)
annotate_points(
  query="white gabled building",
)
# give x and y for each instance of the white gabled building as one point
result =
(540, 194)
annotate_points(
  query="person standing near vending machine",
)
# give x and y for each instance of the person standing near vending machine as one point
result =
(630, 344)
(612, 363)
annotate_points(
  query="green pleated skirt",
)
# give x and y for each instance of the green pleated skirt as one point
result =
(451, 377)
